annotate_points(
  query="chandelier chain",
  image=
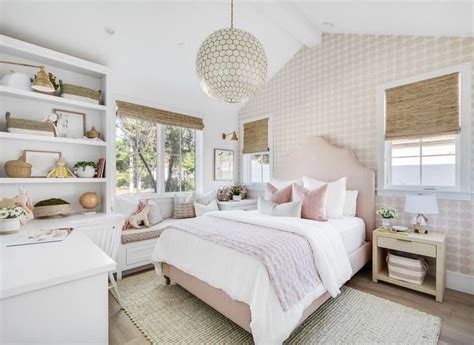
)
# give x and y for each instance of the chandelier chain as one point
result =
(231, 14)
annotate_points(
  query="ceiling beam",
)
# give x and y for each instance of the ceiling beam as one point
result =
(291, 19)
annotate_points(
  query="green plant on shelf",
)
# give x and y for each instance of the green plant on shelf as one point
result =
(84, 164)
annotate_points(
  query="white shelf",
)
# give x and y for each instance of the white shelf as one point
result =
(20, 136)
(34, 96)
(43, 180)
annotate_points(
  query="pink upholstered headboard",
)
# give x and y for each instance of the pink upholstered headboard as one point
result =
(321, 160)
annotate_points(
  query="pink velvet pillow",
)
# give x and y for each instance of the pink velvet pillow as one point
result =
(314, 202)
(278, 196)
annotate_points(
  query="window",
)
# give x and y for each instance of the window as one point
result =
(140, 169)
(256, 160)
(425, 162)
(257, 168)
(180, 159)
(424, 126)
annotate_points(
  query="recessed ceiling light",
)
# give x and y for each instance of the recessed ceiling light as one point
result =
(328, 25)
(180, 44)
(109, 30)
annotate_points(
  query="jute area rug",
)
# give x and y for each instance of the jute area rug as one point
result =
(170, 314)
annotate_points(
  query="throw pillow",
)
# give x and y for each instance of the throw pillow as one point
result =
(201, 209)
(313, 202)
(350, 203)
(154, 215)
(183, 207)
(289, 209)
(336, 194)
(276, 195)
(205, 199)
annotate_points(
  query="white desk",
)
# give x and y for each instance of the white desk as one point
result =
(54, 292)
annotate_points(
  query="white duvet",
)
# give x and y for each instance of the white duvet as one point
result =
(245, 279)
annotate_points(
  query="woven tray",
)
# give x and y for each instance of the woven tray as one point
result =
(80, 91)
(28, 124)
(52, 211)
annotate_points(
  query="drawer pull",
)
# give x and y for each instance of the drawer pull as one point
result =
(403, 240)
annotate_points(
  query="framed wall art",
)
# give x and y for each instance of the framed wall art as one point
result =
(70, 124)
(223, 165)
(41, 161)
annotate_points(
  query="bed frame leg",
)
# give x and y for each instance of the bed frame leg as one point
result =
(167, 280)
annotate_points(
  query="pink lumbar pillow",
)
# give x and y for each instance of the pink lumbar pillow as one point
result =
(278, 196)
(314, 202)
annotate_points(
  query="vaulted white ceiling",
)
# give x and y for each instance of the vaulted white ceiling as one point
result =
(152, 53)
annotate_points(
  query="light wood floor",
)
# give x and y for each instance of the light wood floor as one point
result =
(456, 312)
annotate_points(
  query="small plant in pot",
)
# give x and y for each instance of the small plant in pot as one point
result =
(235, 190)
(85, 169)
(387, 213)
(10, 218)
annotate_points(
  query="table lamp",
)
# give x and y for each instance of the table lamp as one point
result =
(420, 205)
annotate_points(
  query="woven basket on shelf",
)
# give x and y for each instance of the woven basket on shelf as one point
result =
(52, 211)
(18, 168)
(80, 92)
(29, 125)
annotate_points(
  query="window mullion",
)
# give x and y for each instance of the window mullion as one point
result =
(421, 162)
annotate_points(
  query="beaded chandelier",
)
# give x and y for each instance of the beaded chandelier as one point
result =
(231, 64)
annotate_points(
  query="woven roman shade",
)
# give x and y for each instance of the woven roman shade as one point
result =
(422, 109)
(163, 117)
(256, 136)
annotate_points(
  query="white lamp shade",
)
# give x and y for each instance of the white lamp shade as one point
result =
(421, 204)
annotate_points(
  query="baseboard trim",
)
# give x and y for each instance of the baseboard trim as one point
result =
(460, 282)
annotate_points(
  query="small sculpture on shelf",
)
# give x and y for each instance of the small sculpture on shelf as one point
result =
(23, 200)
(61, 170)
(93, 133)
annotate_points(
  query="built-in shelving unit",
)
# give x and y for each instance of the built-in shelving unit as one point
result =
(39, 97)
(30, 105)
(41, 180)
(58, 140)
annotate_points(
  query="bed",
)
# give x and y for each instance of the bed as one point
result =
(238, 286)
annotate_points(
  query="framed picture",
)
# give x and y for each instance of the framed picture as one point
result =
(70, 124)
(41, 161)
(223, 165)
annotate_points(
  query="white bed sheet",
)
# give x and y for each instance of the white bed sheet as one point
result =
(352, 231)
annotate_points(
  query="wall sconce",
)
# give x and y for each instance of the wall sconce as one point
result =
(233, 138)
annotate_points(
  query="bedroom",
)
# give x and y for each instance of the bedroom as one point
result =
(339, 127)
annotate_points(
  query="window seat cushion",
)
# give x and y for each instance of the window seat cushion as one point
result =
(135, 235)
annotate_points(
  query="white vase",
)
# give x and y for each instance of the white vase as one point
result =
(9, 225)
(236, 197)
(386, 222)
(86, 172)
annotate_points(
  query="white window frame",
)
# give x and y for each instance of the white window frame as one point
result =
(245, 171)
(462, 190)
(160, 167)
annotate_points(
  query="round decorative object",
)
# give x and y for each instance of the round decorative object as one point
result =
(231, 65)
(93, 133)
(17, 168)
(89, 200)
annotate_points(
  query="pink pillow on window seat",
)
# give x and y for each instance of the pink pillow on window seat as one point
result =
(278, 196)
(314, 202)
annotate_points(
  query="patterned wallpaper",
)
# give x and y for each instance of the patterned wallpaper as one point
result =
(330, 90)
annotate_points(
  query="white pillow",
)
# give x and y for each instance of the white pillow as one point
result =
(205, 199)
(201, 209)
(350, 203)
(125, 206)
(154, 215)
(289, 209)
(279, 184)
(336, 194)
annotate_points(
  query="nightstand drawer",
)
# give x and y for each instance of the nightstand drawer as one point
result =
(407, 245)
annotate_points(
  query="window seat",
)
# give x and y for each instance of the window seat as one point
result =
(143, 234)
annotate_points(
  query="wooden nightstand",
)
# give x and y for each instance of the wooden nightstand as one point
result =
(246, 205)
(430, 245)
